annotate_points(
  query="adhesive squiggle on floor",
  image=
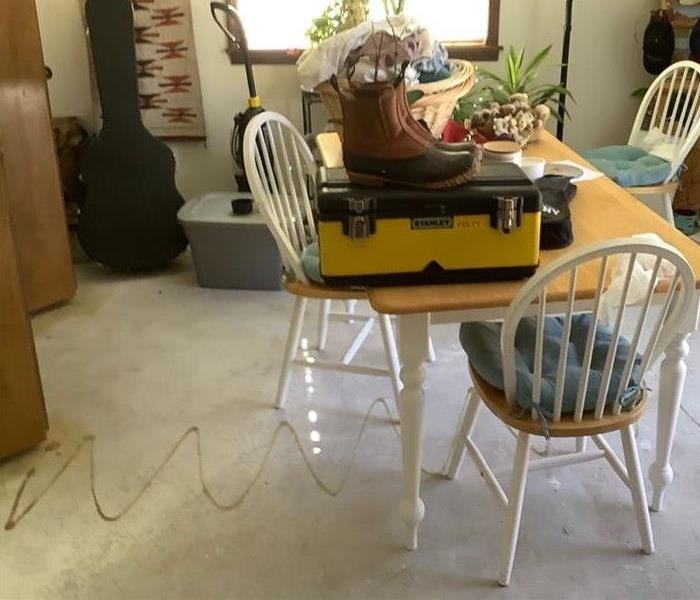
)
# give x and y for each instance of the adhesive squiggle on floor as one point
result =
(16, 514)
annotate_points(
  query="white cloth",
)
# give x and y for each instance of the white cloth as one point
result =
(365, 71)
(318, 64)
(639, 283)
(658, 144)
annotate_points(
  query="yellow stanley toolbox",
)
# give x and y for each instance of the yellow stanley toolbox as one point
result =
(485, 230)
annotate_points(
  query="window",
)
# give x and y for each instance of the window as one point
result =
(275, 29)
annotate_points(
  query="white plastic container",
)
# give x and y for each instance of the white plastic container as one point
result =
(503, 151)
(230, 251)
(533, 167)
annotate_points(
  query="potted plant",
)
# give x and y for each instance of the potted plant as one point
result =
(519, 78)
(393, 7)
(338, 16)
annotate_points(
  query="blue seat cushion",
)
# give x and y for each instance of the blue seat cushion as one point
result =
(629, 166)
(311, 263)
(481, 342)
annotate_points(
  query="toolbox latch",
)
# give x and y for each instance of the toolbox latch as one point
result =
(360, 205)
(509, 211)
(360, 222)
(358, 227)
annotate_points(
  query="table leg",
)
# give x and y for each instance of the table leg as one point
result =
(413, 351)
(671, 382)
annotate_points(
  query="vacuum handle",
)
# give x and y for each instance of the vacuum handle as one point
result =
(238, 39)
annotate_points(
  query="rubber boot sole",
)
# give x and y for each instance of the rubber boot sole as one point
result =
(368, 180)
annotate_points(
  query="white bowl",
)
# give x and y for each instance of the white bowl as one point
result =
(563, 170)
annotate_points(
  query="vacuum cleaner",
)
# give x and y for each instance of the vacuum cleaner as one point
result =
(241, 120)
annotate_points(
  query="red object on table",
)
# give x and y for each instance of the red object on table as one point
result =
(478, 138)
(454, 132)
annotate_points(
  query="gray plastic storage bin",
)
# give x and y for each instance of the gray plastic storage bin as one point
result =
(230, 251)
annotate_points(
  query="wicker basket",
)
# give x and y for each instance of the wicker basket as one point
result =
(435, 107)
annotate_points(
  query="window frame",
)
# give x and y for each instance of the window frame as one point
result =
(488, 51)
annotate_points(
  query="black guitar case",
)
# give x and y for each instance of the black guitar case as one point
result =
(129, 218)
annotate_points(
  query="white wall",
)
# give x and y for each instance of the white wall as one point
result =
(605, 64)
(605, 67)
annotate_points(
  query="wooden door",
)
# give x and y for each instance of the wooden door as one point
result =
(26, 140)
(23, 422)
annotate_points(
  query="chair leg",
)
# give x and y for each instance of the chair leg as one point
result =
(668, 207)
(392, 355)
(466, 425)
(581, 443)
(639, 495)
(350, 309)
(515, 506)
(432, 357)
(323, 310)
(290, 350)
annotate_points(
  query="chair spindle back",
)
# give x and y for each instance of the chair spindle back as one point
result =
(674, 125)
(279, 166)
(675, 290)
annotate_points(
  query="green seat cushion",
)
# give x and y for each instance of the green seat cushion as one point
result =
(629, 166)
(482, 343)
(311, 263)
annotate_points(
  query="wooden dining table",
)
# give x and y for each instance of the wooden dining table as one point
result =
(601, 210)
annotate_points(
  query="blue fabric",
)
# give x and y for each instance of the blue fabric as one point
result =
(311, 263)
(482, 343)
(434, 68)
(629, 166)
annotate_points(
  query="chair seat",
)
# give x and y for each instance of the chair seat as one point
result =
(629, 166)
(521, 420)
(482, 343)
(311, 263)
(322, 292)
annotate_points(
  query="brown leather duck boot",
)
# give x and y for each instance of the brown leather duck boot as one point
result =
(384, 144)
(423, 130)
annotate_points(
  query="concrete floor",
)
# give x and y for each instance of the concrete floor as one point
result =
(138, 361)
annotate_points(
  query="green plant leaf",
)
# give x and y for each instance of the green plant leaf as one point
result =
(544, 93)
(519, 58)
(500, 95)
(490, 75)
(511, 71)
(413, 95)
(532, 68)
(554, 106)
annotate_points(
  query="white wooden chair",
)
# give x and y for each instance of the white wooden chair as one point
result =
(279, 166)
(650, 336)
(672, 130)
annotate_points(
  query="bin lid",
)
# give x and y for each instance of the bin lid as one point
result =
(215, 208)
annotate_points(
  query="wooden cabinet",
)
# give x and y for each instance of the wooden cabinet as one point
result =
(26, 141)
(23, 422)
(35, 265)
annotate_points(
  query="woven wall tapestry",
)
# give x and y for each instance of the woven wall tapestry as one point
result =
(170, 95)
